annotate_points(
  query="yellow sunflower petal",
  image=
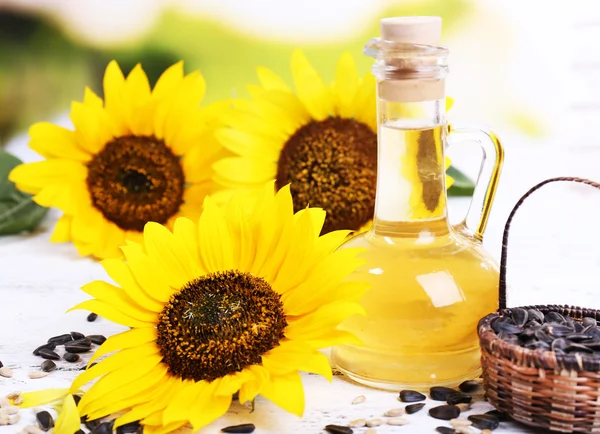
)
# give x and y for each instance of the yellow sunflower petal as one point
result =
(146, 274)
(40, 397)
(62, 230)
(256, 377)
(121, 274)
(336, 337)
(168, 80)
(162, 246)
(43, 173)
(449, 103)
(105, 310)
(114, 85)
(126, 356)
(127, 339)
(167, 429)
(94, 128)
(208, 408)
(186, 232)
(248, 145)
(90, 98)
(286, 391)
(310, 87)
(53, 141)
(216, 249)
(299, 356)
(118, 299)
(68, 420)
(345, 85)
(271, 81)
(179, 406)
(254, 170)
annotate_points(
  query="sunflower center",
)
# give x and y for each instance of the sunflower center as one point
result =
(219, 324)
(332, 164)
(134, 180)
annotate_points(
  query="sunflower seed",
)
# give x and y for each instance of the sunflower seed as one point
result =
(578, 348)
(465, 430)
(542, 336)
(394, 412)
(18, 400)
(358, 423)
(1, 365)
(519, 316)
(48, 354)
(92, 424)
(13, 395)
(338, 429)
(104, 428)
(4, 402)
(79, 431)
(484, 421)
(92, 317)
(458, 398)
(397, 421)
(76, 336)
(444, 412)
(77, 348)
(469, 386)
(440, 393)
(559, 330)
(535, 315)
(12, 410)
(463, 407)
(508, 328)
(4, 418)
(97, 339)
(77, 398)
(371, 431)
(244, 428)
(554, 317)
(578, 327)
(71, 358)
(61, 339)
(559, 344)
(460, 422)
(359, 400)
(34, 375)
(578, 337)
(486, 431)
(413, 408)
(589, 321)
(50, 347)
(374, 422)
(445, 430)
(6, 372)
(135, 428)
(44, 420)
(14, 419)
(411, 396)
(48, 366)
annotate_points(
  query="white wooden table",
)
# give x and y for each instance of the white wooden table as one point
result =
(554, 258)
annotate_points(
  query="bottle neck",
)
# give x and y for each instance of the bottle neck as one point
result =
(411, 185)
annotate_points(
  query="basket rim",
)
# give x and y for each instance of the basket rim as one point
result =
(541, 359)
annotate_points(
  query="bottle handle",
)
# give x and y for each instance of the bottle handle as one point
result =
(475, 221)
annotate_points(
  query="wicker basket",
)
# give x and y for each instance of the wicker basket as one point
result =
(558, 392)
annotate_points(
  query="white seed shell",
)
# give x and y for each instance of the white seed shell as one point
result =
(397, 421)
(14, 419)
(374, 422)
(359, 400)
(37, 374)
(6, 372)
(18, 400)
(358, 423)
(13, 395)
(395, 412)
(4, 403)
(460, 422)
(371, 431)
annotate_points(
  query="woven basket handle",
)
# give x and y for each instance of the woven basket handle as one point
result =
(502, 294)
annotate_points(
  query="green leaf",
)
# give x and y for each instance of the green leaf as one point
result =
(463, 185)
(18, 211)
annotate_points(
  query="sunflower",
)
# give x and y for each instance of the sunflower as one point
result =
(321, 139)
(235, 303)
(140, 155)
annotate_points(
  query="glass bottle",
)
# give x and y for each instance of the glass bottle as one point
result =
(430, 282)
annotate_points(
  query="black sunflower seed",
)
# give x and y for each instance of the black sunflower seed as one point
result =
(578, 348)
(336, 429)
(593, 344)
(559, 344)
(534, 325)
(445, 412)
(76, 398)
(77, 348)
(97, 339)
(445, 430)
(61, 339)
(593, 331)
(554, 317)
(543, 336)
(439, 393)
(79, 431)
(578, 327)
(578, 337)
(82, 341)
(44, 420)
(48, 366)
(589, 321)
(411, 396)
(506, 327)
(77, 335)
(249, 427)
(535, 315)
(413, 408)
(50, 347)
(1, 365)
(559, 330)
(538, 345)
(104, 428)
(458, 398)
(71, 358)
(92, 317)
(83, 368)
(502, 417)
(484, 421)
(519, 316)
(469, 386)
(91, 424)
(132, 428)
(48, 354)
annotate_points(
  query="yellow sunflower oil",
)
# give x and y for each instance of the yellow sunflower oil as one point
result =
(430, 281)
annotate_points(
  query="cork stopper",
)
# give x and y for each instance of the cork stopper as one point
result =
(421, 30)
(412, 30)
